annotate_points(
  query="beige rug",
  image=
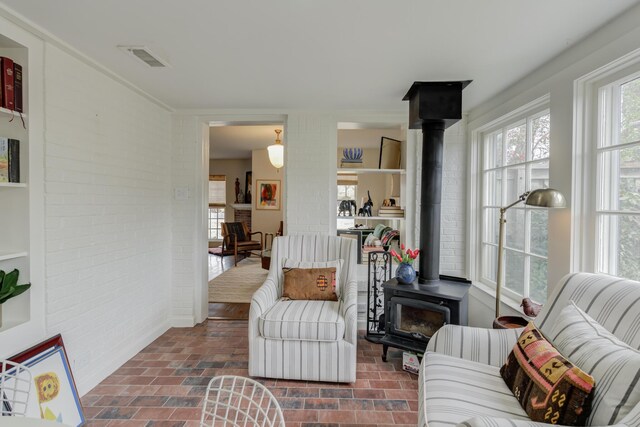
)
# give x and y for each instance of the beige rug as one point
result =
(238, 283)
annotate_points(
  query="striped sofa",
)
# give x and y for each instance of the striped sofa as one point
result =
(460, 383)
(305, 340)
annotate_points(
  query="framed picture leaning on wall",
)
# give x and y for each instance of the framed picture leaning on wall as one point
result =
(53, 394)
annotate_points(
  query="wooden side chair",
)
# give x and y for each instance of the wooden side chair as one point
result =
(236, 238)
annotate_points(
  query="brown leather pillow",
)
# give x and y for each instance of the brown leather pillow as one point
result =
(310, 284)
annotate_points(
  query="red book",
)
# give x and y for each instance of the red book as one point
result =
(6, 74)
(17, 87)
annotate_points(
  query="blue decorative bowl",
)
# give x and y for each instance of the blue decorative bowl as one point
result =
(352, 153)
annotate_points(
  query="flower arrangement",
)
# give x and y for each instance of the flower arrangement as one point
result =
(406, 255)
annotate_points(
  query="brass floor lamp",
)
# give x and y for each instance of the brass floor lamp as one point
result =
(544, 197)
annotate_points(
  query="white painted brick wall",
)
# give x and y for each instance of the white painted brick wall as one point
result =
(311, 141)
(183, 166)
(108, 216)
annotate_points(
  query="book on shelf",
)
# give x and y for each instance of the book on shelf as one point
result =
(6, 79)
(17, 87)
(9, 160)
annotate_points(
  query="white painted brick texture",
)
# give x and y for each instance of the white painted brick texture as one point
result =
(311, 174)
(108, 216)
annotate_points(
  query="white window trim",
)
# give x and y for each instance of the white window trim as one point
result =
(585, 128)
(474, 248)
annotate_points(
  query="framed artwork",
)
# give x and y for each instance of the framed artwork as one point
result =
(389, 153)
(53, 396)
(247, 187)
(268, 196)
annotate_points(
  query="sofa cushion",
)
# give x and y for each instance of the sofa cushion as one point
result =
(303, 320)
(455, 390)
(318, 284)
(549, 387)
(614, 365)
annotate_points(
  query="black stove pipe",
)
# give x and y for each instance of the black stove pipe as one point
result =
(430, 202)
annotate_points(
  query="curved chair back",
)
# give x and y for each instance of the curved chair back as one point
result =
(239, 401)
(15, 387)
(611, 301)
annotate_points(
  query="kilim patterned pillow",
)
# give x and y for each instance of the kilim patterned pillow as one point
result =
(288, 263)
(549, 388)
(310, 284)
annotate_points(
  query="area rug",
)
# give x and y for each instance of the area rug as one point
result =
(238, 283)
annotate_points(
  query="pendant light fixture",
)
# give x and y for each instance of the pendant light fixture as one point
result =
(276, 152)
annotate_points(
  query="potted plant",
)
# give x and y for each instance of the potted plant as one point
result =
(9, 287)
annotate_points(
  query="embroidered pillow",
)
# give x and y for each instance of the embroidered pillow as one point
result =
(288, 263)
(310, 284)
(549, 388)
(614, 365)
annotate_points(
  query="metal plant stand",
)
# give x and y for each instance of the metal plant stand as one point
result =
(379, 272)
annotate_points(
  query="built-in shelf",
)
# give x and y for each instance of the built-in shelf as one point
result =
(361, 218)
(13, 184)
(12, 255)
(7, 112)
(241, 206)
(357, 171)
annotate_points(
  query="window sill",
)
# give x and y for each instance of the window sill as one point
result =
(488, 296)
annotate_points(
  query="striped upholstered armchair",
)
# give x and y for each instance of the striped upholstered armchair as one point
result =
(460, 383)
(305, 340)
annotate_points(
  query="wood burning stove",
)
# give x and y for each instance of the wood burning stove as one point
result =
(413, 313)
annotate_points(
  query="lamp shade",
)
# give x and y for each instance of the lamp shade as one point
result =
(276, 155)
(276, 151)
(546, 198)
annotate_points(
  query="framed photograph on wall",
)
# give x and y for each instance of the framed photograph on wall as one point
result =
(53, 395)
(390, 155)
(247, 187)
(268, 194)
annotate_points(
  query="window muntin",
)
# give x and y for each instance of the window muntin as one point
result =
(515, 160)
(617, 206)
(217, 202)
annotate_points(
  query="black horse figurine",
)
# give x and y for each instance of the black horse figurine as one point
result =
(346, 207)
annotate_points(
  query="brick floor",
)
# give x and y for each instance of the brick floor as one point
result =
(164, 384)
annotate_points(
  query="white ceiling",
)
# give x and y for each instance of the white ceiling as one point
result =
(237, 141)
(358, 54)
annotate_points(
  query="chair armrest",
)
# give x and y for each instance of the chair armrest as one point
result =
(489, 346)
(506, 422)
(257, 232)
(349, 310)
(263, 299)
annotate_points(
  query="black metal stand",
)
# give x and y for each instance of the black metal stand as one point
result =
(379, 272)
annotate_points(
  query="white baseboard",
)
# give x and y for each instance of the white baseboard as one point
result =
(182, 321)
(121, 355)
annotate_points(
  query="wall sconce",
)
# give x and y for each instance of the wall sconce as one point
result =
(276, 152)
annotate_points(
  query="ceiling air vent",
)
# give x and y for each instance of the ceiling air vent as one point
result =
(144, 54)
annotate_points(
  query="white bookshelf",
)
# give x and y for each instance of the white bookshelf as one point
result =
(22, 213)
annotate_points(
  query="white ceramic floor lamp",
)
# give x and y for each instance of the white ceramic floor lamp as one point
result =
(545, 198)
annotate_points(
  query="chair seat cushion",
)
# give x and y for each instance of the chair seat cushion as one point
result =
(455, 390)
(303, 320)
(248, 244)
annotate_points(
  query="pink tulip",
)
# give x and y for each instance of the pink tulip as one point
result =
(393, 252)
(402, 246)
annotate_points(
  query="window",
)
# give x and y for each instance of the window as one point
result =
(617, 198)
(347, 189)
(217, 202)
(515, 159)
